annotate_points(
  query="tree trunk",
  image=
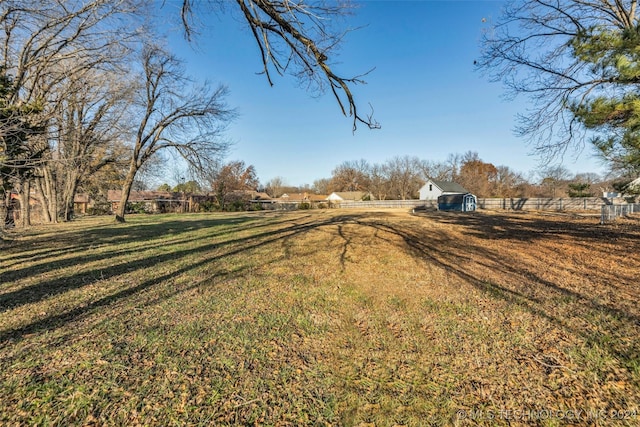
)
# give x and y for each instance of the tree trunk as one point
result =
(69, 194)
(126, 190)
(68, 207)
(4, 210)
(52, 194)
(46, 215)
(25, 207)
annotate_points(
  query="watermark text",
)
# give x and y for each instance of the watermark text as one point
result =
(547, 414)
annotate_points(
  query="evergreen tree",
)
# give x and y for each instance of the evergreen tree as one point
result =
(580, 189)
(613, 117)
(17, 158)
(578, 61)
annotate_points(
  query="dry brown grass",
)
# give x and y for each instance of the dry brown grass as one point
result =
(322, 318)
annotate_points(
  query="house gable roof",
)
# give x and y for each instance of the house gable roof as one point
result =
(261, 196)
(143, 196)
(349, 195)
(449, 186)
(301, 197)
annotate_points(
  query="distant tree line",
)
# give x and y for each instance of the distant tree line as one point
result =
(401, 177)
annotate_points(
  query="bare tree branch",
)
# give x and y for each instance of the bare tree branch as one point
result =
(549, 52)
(297, 37)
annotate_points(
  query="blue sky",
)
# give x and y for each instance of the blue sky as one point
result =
(424, 91)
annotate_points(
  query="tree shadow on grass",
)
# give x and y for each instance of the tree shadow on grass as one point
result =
(131, 238)
(519, 284)
(583, 233)
(528, 228)
(136, 234)
(78, 241)
(209, 253)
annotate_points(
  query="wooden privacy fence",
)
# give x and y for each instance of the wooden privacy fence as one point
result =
(611, 212)
(547, 204)
(516, 204)
(386, 204)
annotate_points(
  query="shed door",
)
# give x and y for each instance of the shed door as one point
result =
(469, 203)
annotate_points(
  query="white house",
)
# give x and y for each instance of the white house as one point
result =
(433, 189)
(634, 186)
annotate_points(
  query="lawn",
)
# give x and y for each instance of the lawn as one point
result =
(324, 317)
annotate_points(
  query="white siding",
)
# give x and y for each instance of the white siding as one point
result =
(430, 191)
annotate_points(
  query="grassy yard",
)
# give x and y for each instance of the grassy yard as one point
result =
(328, 317)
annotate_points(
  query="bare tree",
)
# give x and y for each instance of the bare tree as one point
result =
(172, 114)
(46, 41)
(234, 178)
(275, 186)
(89, 113)
(434, 170)
(554, 179)
(452, 167)
(509, 183)
(565, 56)
(350, 176)
(379, 185)
(298, 38)
(404, 175)
(322, 186)
(588, 177)
(43, 45)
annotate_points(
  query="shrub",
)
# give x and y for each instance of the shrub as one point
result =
(236, 206)
(99, 209)
(136, 207)
(209, 206)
